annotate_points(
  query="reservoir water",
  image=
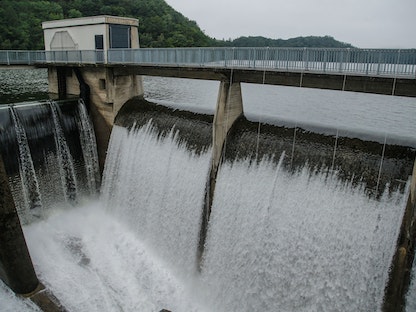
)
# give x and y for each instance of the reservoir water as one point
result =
(277, 241)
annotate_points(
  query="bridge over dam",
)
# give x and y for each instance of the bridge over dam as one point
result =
(388, 71)
(113, 75)
(109, 82)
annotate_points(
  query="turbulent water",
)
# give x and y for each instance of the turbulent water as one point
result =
(277, 241)
(49, 155)
(302, 242)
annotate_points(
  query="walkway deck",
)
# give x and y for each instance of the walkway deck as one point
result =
(363, 70)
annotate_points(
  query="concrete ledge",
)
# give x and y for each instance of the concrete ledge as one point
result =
(332, 81)
(16, 269)
(45, 300)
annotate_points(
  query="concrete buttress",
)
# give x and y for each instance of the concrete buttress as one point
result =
(16, 268)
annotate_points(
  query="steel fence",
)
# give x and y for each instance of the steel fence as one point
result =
(371, 62)
(349, 61)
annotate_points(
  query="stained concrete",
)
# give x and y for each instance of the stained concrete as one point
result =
(16, 269)
(193, 130)
(355, 159)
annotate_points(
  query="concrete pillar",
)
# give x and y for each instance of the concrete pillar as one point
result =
(229, 108)
(108, 93)
(16, 269)
(400, 270)
(61, 77)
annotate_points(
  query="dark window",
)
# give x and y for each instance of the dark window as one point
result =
(101, 84)
(99, 42)
(119, 36)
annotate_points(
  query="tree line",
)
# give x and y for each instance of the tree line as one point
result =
(159, 24)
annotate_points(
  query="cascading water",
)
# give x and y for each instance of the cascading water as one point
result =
(66, 164)
(297, 242)
(30, 185)
(42, 174)
(89, 149)
(156, 186)
(278, 239)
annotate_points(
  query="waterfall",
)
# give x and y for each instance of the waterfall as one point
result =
(30, 185)
(50, 153)
(279, 238)
(66, 164)
(302, 241)
(156, 186)
(89, 149)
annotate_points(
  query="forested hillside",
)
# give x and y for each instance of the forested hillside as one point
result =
(310, 41)
(159, 24)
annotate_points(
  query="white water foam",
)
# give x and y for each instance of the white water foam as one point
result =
(29, 183)
(302, 242)
(157, 187)
(10, 302)
(276, 241)
(66, 163)
(92, 262)
(89, 149)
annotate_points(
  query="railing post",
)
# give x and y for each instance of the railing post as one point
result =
(348, 58)
(287, 59)
(397, 63)
(266, 63)
(225, 57)
(341, 60)
(379, 63)
(305, 58)
(8, 57)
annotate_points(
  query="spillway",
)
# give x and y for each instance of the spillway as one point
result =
(49, 155)
(280, 238)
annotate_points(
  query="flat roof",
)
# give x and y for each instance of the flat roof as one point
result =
(90, 20)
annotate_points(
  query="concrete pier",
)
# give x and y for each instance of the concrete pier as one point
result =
(16, 269)
(108, 92)
(400, 270)
(229, 109)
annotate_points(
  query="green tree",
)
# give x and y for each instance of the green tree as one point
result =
(159, 24)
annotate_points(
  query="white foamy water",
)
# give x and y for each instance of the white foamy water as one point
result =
(276, 241)
(302, 242)
(156, 186)
(10, 302)
(93, 262)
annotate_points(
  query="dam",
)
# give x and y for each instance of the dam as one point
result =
(134, 197)
(284, 234)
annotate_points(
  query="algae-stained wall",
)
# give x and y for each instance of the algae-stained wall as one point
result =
(16, 269)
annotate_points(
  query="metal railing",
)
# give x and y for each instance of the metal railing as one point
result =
(370, 62)
(20, 57)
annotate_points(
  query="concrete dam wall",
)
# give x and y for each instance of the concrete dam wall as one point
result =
(372, 163)
(244, 216)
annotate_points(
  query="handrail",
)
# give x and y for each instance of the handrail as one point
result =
(370, 62)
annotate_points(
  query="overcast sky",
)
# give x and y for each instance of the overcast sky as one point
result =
(363, 23)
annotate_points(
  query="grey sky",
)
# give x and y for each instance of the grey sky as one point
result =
(363, 23)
